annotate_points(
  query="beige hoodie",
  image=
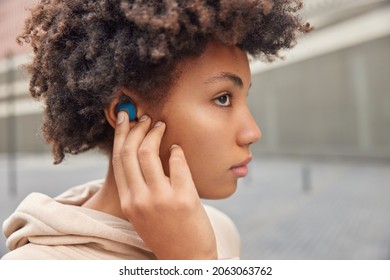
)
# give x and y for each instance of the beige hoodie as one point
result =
(47, 228)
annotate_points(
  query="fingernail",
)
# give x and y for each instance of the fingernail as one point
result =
(174, 146)
(120, 117)
(157, 124)
(143, 118)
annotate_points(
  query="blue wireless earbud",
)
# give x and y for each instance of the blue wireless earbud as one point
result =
(127, 105)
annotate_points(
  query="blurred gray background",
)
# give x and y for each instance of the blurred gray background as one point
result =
(319, 185)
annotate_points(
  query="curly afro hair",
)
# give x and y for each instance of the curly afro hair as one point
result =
(85, 50)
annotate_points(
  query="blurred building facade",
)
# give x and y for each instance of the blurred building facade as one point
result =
(329, 97)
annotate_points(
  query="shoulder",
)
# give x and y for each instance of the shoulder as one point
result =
(226, 233)
(31, 251)
(88, 251)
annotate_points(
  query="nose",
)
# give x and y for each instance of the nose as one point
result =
(249, 132)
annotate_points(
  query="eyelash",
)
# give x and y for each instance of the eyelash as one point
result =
(228, 95)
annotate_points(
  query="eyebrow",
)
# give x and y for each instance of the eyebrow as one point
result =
(226, 76)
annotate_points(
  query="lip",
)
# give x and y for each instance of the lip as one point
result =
(241, 169)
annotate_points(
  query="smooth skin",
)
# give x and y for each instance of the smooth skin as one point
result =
(186, 150)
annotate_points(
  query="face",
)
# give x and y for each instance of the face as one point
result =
(207, 115)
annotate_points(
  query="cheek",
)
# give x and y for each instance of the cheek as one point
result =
(195, 133)
(205, 140)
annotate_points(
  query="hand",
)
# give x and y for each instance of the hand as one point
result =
(165, 211)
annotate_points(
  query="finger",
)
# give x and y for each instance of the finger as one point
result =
(179, 171)
(121, 131)
(129, 155)
(148, 155)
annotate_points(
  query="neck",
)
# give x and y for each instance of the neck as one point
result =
(107, 198)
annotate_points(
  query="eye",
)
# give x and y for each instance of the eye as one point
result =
(223, 100)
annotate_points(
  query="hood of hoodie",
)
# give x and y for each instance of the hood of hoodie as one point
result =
(58, 221)
(60, 229)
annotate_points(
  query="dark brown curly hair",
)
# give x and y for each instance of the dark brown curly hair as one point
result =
(85, 50)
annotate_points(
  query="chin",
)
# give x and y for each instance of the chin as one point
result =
(218, 193)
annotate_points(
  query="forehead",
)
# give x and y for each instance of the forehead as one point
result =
(217, 63)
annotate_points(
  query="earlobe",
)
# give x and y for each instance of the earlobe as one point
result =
(123, 101)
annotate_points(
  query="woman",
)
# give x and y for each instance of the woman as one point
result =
(161, 87)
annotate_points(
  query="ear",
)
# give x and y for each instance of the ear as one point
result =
(111, 110)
